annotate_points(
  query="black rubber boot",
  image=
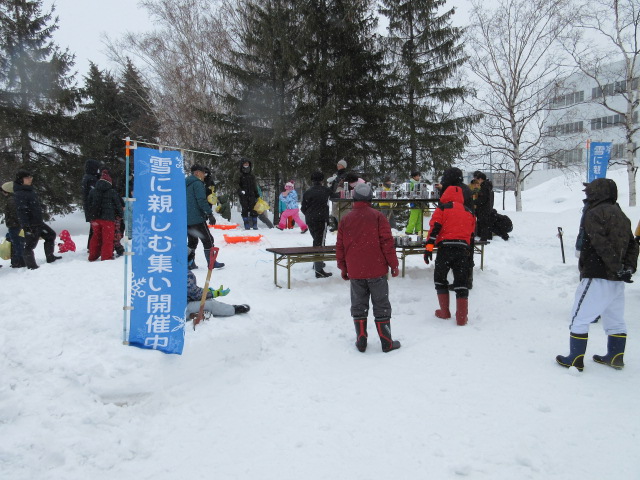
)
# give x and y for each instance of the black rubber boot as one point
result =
(30, 260)
(577, 347)
(241, 308)
(384, 332)
(361, 333)
(615, 351)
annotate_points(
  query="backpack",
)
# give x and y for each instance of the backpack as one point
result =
(501, 225)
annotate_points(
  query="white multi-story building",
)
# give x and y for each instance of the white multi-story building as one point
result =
(576, 115)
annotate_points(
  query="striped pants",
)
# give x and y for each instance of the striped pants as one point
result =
(597, 297)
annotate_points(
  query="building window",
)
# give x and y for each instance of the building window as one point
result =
(563, 158)
(601, 123)
(566, 128)
(568, 99)
(619, 150)
(613, 88)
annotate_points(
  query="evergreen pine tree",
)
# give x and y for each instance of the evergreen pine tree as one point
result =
(137, 114)
(342, 113)
(261, 122)
(424, 52)
(36, 98)
(100, 118)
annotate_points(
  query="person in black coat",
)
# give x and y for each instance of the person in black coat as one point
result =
(31, 220)
(104, 206)
(453, 177)
(248, 193)
(13, 226)
(484, 206)
(315, 207)
(89, 180)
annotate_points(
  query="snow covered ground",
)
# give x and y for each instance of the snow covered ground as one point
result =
(282, 393)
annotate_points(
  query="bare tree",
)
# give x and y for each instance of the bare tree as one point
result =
(513, 56)
(605, 45)
(178, 61)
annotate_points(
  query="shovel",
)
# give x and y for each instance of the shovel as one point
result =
(213, 254)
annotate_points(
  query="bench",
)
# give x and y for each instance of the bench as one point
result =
(404, 251)
(289, 256)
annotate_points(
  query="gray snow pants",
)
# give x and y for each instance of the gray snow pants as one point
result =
(375, 288)
(217, 309)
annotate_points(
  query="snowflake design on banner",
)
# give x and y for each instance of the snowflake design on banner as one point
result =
(180, 163)
(181, 323)
(136, 287)
(141, 233)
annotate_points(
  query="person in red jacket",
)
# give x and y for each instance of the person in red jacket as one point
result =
(451, 230)
(365, 252)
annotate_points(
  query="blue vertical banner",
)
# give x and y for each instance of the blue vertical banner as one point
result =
(599, 155)
(158, 285)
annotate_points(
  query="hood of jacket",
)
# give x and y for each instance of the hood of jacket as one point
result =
(92, 167)
(192, 179)
(103, 185)
(601, 190)
(242, 162)
(452, 176)
(452, 194)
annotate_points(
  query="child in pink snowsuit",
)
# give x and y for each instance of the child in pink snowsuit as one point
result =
(290, 198)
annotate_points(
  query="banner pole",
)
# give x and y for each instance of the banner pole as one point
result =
(127, 220)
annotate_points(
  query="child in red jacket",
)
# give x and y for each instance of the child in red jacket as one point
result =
(67, 244)
(365, 253)
(451, 229)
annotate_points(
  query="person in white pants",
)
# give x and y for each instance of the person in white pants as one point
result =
(608, 259)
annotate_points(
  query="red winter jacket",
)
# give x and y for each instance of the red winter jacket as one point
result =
(364, 247)
(456, 221)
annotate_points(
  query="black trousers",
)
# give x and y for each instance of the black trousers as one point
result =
(318, 230)
(456, 258)
(33, 233)
(199, 231)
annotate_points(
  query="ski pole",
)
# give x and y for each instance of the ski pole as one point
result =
(561, 243)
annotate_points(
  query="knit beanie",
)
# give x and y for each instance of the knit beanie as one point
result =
(362, 192)
(342, 163)
(7, 187)
(21, 174)
(288, 186)
(105, 176)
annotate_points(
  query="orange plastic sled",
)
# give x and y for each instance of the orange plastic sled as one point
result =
(241, 238)
(224, 227)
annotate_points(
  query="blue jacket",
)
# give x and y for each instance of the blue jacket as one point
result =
(291, 200)
(198, 209)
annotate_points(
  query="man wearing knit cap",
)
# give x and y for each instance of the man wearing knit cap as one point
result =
(104, 206)
(29, 212)
(198, 211)
(365, 253)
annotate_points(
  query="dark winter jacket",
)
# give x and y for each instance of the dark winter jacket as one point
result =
(364, 247)
(194, 292)
(247, 187)
(452, 221)
(198, 208)
(315, 206)
(89, 180)
(224, 207)
(28, 206)
(10, 212)
(484, 202)
(338, 180)
(453, 177)
(608, 243)
(104, 202)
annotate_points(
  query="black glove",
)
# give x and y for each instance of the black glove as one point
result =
(624, 274)
(212, 219)
(428, 252)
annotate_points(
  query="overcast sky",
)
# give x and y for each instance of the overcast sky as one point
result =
(83, 25)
